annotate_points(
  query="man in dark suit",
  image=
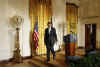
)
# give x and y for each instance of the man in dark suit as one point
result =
(50, 38)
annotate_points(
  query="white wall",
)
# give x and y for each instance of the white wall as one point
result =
(8, 9)
(21, 8)
(4, 46)
(81, 34)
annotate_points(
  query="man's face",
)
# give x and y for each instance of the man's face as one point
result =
(49, 25)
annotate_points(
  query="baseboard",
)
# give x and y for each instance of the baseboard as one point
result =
(11, 59)
(97, 48)
(6, 61)
(26, 57)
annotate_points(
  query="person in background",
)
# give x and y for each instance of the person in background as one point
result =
(50, 38)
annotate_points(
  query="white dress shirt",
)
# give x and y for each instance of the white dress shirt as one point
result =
(49, 30)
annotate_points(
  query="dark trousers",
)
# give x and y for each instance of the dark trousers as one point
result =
(48, 52)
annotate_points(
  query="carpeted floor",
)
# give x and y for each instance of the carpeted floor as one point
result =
(39, 61)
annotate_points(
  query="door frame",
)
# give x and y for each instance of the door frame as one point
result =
(88, 37)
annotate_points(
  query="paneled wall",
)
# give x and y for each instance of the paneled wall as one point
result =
(89, 13)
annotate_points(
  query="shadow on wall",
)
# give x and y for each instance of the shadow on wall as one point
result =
(12, 23)
(31, 43)
(11, 35)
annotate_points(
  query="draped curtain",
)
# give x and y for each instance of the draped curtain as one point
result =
(40, 9)
(72, 17)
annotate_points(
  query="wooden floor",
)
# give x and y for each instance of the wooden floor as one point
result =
(39, 61)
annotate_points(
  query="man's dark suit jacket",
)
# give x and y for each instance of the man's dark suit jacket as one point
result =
(50, 38)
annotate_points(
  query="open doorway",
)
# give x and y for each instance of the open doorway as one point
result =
(90, 37)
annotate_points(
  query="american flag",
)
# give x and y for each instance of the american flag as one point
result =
(36, 37)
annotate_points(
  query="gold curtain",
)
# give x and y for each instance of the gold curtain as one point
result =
(42, 10)
(72, 17)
